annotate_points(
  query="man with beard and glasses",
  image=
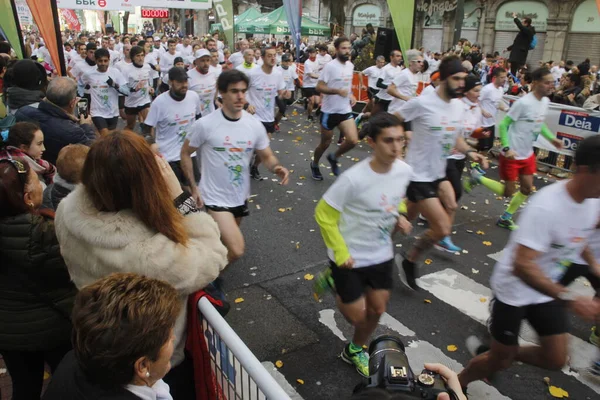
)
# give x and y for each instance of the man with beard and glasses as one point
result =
(105, 85)
(171, 117)
(203, 81)
(139, 81)
(335, 83)
(437, 121)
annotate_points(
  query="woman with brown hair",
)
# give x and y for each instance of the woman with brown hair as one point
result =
(131, 215)
(122, 341)
(36, 293)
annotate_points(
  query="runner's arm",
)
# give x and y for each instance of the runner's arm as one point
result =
(588, 256)
(380, 84)
(323, 88)
(547, 133)
(328, 218)
(392, 90)
(188, 169)
(270, 161)
(527, 269)
(503, 129)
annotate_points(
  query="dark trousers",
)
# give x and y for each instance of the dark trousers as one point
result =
(181, 380)
(454, 170)
(26, 369)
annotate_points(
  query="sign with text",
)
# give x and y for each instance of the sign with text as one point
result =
(538, 12)
(586, 18)
(187, 4)
(155, 13)
(103, 5)
(366, 14)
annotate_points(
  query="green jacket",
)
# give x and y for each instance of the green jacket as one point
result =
(33, 276)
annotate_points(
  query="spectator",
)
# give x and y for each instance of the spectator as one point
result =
(25, 83)
(25, 140)
(475, 56)
(570, 92)
(521, 45)
(122, 219)
(56, 118)
(122, 341)
(36, 294)
(586, 80)
(69, 165)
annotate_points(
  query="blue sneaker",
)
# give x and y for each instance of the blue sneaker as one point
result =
(446, 245)
(335, 168)
(478, 168)
(315, 171)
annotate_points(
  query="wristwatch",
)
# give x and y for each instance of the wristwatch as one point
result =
(505, 149)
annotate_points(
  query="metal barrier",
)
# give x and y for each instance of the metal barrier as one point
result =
(239, 374)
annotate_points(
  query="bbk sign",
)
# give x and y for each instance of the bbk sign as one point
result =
(122, 5)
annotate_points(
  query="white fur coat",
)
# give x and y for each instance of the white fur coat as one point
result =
(95, 244)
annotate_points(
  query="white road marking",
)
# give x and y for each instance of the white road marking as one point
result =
(278, 376)
(327, 318)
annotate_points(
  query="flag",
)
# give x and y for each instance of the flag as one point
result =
(9, 23)
(293, 12)
(403, 13)
(71, 19)
(45, 15)
(224, 11)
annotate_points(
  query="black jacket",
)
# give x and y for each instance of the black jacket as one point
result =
(520, 47)
(60, 129)
(33, 278)
(70, 382)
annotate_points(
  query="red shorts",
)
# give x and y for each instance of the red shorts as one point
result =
(510, 170)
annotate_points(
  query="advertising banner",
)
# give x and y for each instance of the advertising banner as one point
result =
(293, 11)
(104, 5)
(71, 19)
(187, 4)
(224, 11)
(9, 27)
(402, 12)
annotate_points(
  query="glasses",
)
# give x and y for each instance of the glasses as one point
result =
(418, 61)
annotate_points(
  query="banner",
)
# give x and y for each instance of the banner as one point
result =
(104, 5)
(293, 12)
(23, 12)
(224, 11)
(8, 24)
(187, 4)
(402, 12)
(71, 19)
(47, 24)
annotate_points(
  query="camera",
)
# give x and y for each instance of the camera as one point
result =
(389, 370)
(82, 107)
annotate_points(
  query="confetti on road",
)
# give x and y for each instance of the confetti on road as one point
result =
(558, 392)
(451, 348)
(279, 363)
(257, 207)
(427, 301)
(428, 261)
(480, 232)
(281, 209)
(487, 243)
(474, 271)
(239, 300)
(300, 381)
(309, 277)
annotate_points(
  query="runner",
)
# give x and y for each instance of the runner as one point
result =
(88, 64)
(125, 60)
(358, 215)
(554, 229)
(404, 85)
(215, 66)
(335, 82)
(237, 58)
(437, 121)
(166, 62)
(323, 58)
(248, 63)
(203, 81)
(372, 73)
(171, 117)
(227, 139)
(290, 77)
(491, 101)
(388, 73)
(309, 82)
(266, 83)
(139, 81)
(518, 130)
(152, 58)
(105, 85)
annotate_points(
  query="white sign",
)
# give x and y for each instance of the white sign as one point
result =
(104, 5)
(187, 4)
(430, 7)
(538, 12)
(25, 17)
(366, 14)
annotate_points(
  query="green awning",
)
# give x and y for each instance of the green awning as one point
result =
(215, 28)
(275, 23)
(248, 15)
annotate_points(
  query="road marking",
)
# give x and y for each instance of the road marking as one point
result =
(418, 351)
(464, 294)
(278, 376)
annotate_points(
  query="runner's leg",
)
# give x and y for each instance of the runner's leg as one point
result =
(231, 235)
(439, 227)
(499, 357)
(349, 131)
(551, 354)
(326, 137)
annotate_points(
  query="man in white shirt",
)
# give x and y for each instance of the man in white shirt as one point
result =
(80, 57)
(220, 44)
(290, 77)
(309, 82)
(373, 73)
(491, 100)
(388, 73)
(555, 227)
(125, 60)
(214, 63)
(558, 70)
(335, 83)
(227, 140)
(237, 58)
(404, 85)
(203, 81)
(436, 122)
(167, 60)
(139, 81)
(185, 48)
(171, 117)
(211, 45)
(114, 55)
(152, 58)
(323, 58)
(248, 63)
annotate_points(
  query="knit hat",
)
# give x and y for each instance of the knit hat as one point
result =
(471, 81)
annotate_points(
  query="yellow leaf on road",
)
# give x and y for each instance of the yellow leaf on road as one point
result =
(279, 363)
(302, 177)
(428, 261)
(281, 210)
(480, 232)
(487, 243)
(300, 381)
(482, 299)
(239, 300)
(558, 392)
(427, 301)
(309, 277)
(451, 347)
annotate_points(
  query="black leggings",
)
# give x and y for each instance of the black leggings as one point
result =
(454, 170)
(26, 369)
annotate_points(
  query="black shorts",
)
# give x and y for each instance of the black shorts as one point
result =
(105, 123)
(238, 212)
(269, 126)
(351, 284)
(310, 92)
(417, 191)
(547, 319)
(487, 143)
(330, 121)
(176, 166)
(136, 110)
(384, 104)
(371, 93)
(574, 271)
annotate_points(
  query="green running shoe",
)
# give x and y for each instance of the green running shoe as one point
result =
(507, 223)
(471, 180)
(360, 360)
(323, 283)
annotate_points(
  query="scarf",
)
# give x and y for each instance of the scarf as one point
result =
(43, 168)
(18, 97)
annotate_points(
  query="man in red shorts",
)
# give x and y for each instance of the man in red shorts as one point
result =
(518, 130)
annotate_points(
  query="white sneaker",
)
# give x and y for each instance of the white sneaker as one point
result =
(284, 118)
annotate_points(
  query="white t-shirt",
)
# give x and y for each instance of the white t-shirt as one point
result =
(373, 73)
(105, 99)
(259, 62)
(185, 51)
(115, 56)
(206, 87)
(75, 59)
(557, 73)
(429, 89)
(226, 150)
(388, 73)
(337, 76)
(139, 79)
(217, 70)
(166, 61)
(554, 225)
(490, 98)
(322, 61)
(369, 209)
(121, 64)
(594, 245)
(152, 59)
(436, 125)
(472, 120)
(172, 121)
(262, 92)
(289, 77)
(528, 114)
(236, 59)
(406, 83)
(310, 67)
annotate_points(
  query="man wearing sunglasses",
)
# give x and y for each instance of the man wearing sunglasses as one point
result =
(404, 85)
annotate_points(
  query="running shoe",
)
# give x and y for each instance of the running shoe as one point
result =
(255, 174)
(446, 245)
(318, 111)
(276, 127)
(311, 118)
(335, 168)
(422, 217)
(284, 118)
(475, 346)
(595, 369)
(323, 283)
(316, 172)
(471, 181)
(360, 360)
(358, 118)
(507, 223)
(407, 272)
(478, 168)
(594, 337)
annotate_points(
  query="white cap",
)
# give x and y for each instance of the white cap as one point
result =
(156, 38)
(201, 53)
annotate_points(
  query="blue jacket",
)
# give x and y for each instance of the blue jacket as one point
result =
(60, 129)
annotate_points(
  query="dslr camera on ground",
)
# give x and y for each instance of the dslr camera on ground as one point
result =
(389, 370)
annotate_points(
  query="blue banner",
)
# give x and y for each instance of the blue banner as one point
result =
(293, 12)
